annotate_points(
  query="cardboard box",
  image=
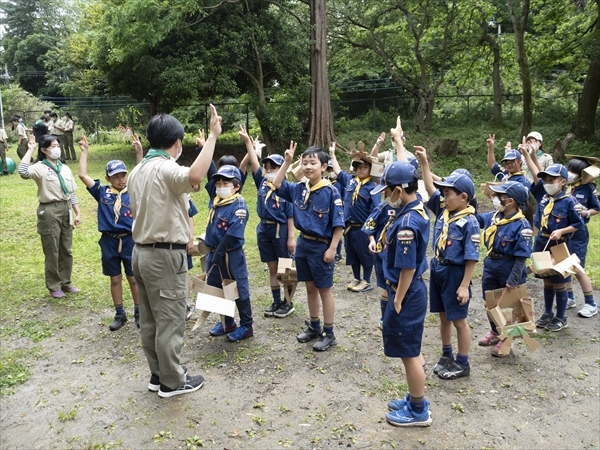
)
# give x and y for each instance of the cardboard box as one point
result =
(557, 261)
(509, 298)
(485, 188)
(377, 169)
(590, 174)
(200, 247)
(295, 172)
(286, 274)
(229, 291)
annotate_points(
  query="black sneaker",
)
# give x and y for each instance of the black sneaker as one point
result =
(120, 319)
(444, 362)
(285, 310)
(454, 370)
(189, 310)
(154, 384)
(136, 316)
(556, 324)
(270, 311)
(192, 384)
(544, 320)
(325, 341)
(309, 334)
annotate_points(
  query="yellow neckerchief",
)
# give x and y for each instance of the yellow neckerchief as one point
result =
(441, 243)
(321, 183)
(514, 174)
(221, 202)
(576, 184)
(490, 233)
(359, 183)
(117, 207)
(272, 189)
(548, 209)
(418, 208)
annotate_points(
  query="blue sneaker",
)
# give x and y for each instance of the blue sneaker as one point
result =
(400, 403)
(406, 417)
(240, 333)
(218, 330)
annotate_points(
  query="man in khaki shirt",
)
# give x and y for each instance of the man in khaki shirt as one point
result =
(158, 189)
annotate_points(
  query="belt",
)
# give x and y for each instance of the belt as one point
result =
(395, 287)
(352, 225)
(56, 202)
(166, 245)
(269, 222)
(501, 256)
(115, 235)
(314, 238)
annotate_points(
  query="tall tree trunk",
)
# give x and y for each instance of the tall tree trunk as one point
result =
(262, 116)
(519, 22)
(584, 125)
(429, 111)
(421, 113)
(320, 122)
(496, 78)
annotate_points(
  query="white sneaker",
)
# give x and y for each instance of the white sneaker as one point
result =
(571, 303)
(588, 310)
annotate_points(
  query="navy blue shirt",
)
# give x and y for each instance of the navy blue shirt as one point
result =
(228, 220)
(359, 210)
(272, 207)
(584, 194)
(106, 216)
(406, 242)
(507, 176)
(512, 239)
(210, 184)
(563, 213)
(377, 219)
(319, 215)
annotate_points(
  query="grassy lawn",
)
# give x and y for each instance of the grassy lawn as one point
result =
(22, 290)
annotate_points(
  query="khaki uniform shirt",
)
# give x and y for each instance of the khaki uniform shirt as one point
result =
(3, 135)
(158, 190)
(20, 131)
(68, 125)
(49, 188)
(545, 161)
(55, 131)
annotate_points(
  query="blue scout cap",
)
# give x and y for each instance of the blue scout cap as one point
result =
(460, 182)
(276, 159)
(398, 173)
(511, 155)
(228, 172)
(462, 172)
(412, 160)
(115, 166)
(555, 170)
(513, 189)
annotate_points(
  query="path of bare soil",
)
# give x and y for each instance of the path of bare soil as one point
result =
(88, 388)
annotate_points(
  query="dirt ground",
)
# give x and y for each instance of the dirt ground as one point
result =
(88, 387)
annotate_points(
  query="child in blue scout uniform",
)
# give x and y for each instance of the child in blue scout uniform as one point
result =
(405, 242)
(275, 231)
(227, 221)
(556, 218)
(456, 249)
(319, 215)
(192, 211)
(358, 204)
(508, 238)
(512, 164)
(114, 222)
(587, 205)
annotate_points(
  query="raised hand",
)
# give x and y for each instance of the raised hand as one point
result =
(289, 153)
(200, 140)
(397, 132)
(244, 134)
(332, 150)
(421, 154)
(215, 122)
(490, 141)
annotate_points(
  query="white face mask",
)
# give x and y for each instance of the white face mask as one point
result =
(179, 153)
(498, 204)
(395, 203)
(224, 192)
(572, 178)
(55, 153)
(534, 145)
(270, 176)
(552, 189)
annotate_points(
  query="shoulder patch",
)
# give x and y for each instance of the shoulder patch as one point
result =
(527, 232)
(241, 213)
(391, 212)
(406, 235)
(338, 202)
(476, 238)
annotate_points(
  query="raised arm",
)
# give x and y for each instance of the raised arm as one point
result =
(421, 155)
(137, 147)
(200, 166)
(398, 138)
(84, 146)
(378, 143)
(250, 151)
(531, 160)
(289, 157)
(491, 158)
(334, 162)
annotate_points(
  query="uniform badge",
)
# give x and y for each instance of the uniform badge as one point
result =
(320, 215)
(475, 238)
(391, 212)
(338, 202)
(527, 232)
(241, 213)
(503, 243)
(557, 220)
(461, 223)
(406, 236)
(448, 243)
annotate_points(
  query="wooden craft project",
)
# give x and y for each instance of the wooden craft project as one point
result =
(286, 274)
(212, 299)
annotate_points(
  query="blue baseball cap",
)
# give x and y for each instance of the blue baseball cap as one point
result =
(513, 189)
(511, 155)
(276, 159)
(398, 173)
(228, 172)
(115, 166)
(460, 182)
(462, 172)
(555, 170)
(412, 160)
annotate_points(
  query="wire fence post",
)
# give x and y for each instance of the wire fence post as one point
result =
(374, 115)
(468, 108)
(247, 117)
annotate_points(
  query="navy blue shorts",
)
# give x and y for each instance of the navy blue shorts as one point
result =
(111, 258)
(232, 267)
(496, 273)
(357, 248)
(310, 265)
(270, 247)
(379, 272)
(403, 333)
(444, 281)
(538, 246)
(579, 245)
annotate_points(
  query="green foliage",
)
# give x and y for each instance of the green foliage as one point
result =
(17, 100)
(12, 372)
